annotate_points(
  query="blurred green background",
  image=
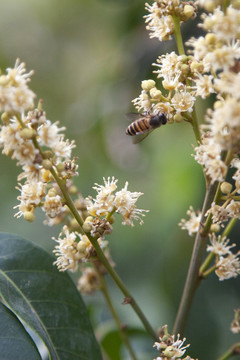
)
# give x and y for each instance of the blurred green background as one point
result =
(89, 58)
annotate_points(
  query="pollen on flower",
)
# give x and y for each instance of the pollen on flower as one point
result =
(191, 225)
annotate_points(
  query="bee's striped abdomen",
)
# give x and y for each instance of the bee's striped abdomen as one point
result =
(138, 126)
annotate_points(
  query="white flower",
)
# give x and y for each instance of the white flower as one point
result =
(208, 154)
(160, 25)
(203, 85)
(225, 124)
(124, 203)
(142, 103)
(103, 203)
(183, 101)
(228, 267)
(224, 24)
(53, 206)
(31, 196)
(191, 225)
(219, 245)
(14, 92)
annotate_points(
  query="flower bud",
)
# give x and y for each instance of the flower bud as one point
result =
(226, 187)
(215, 228)
(73, 190)
(4, 80)
(217, 105)
(178, 118)
(52, 192)
(47, 154)
(81, 246)
(210, 5)
(86, 226)
(27, 133)
(155, 93)
(5, 118)
(47, 164)
(197, 66)
(60, 167)
(46, 175)
(210, 38)
(148, 84)
(188, 11)
(184, 69)
(29, 216)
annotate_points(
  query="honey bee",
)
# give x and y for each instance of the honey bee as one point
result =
(143, 124)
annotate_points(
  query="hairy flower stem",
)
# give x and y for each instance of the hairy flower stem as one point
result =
(178, 35)
(103, 258)
(233, 351)
(120, 327)
(193, 279)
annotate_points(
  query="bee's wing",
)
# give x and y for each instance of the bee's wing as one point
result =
(133, 116)
(141, 136)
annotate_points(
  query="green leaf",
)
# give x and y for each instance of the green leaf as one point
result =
(46, 300)
(14, 336)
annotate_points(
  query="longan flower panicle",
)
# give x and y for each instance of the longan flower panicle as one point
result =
(36, 144)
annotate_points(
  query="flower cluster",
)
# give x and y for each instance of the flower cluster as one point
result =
(227, 264)
(169, 348)
(37, 144)
(160, 18)
(191, 225)
(74, 248)
(15, 96)
(108, 201)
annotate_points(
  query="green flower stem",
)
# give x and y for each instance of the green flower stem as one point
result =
(103, 258)
(193, 280)
(196, 127)
(99, 251)
(208, 272)
(178, 35)
(233, 351)
(121, 329)
(210, 257)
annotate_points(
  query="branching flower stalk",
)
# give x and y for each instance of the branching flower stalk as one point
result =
(45, 157)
